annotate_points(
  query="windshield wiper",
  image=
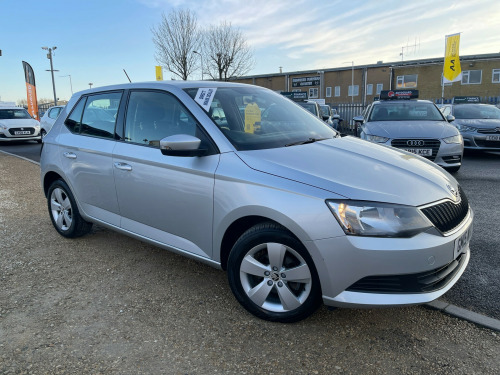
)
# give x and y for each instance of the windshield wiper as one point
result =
(310, 140)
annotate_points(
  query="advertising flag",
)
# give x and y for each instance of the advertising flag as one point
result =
(159, 73)
(452, 71)
(29, 76)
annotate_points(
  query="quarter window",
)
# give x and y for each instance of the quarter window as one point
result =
(152, 116)
(407, 81)
(471, 77)
(495, 76)
(54, 112)
(74, 121)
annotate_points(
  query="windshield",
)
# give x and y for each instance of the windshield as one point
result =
(14, 114)
(405, 111)
(325, 110)
(311, 107)
(253, 118)
(476, 111)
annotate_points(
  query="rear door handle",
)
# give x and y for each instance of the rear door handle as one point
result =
(70, 155)
(123, 166)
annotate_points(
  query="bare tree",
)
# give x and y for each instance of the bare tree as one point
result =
(175, 39)
(226, 52)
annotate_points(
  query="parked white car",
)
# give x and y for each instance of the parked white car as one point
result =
(49, 117)
(16, 124)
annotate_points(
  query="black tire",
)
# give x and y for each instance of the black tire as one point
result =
(43, 133)
(63, 211)
(453, 169)
(258, 244)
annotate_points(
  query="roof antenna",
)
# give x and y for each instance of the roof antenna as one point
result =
(127, 75)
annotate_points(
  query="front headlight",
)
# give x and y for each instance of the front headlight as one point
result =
(466, 128)
(453, 139)
(376, 138)
(378, 219)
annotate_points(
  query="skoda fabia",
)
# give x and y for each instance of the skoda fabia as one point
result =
(243, 179)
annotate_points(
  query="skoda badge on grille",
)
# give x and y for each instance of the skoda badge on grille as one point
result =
(452, 190)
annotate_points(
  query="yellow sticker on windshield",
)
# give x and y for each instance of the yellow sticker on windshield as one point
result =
(252, 118)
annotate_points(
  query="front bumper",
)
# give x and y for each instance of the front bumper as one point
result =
(349, 259)
(478, 142)
(5, 136)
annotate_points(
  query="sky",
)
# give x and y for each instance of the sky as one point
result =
(97, 39)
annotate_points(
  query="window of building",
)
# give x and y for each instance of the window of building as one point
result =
(313, 92)
(353, 90)
(380, 87)
(495, 76)
(471, 77)
(296, 90)
(328, 92)
(369, 89)
(407, 81)
(337, 90)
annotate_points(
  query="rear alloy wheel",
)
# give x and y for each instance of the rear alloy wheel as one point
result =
(272, 275)
(64, 211)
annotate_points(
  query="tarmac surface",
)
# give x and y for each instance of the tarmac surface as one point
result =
(106, 303)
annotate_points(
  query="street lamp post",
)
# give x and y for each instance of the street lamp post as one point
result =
(201, 57)
(352, 80)
(49, 56)
(90, 84)
(70, 83)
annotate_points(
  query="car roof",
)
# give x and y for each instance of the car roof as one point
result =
(402, 101)
(164, 85)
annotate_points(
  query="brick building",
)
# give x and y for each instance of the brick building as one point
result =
(361, 84)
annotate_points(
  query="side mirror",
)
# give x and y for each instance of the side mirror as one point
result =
(450, 118)
(181, 145)
(359, 119)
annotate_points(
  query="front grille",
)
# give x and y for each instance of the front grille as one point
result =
(427, 143)
(447, 216)
(13, 131)
(489, 131)
(423, 282)
(484, 143)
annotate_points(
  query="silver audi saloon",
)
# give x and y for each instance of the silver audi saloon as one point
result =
(415, 126)
(243, 179)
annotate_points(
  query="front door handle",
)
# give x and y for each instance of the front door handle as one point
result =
(70, 155)
(123, 166)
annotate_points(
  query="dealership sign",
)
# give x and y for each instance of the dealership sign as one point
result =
(305, 81)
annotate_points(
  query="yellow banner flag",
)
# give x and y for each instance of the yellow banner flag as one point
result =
(452, 71)
(159, 73)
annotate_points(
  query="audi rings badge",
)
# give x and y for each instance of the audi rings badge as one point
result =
(415, 142)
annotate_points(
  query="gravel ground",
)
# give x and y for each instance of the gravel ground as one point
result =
(108, 304)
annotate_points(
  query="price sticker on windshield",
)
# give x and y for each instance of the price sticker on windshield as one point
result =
(204, 97)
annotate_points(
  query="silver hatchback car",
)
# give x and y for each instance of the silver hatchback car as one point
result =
(243, 179)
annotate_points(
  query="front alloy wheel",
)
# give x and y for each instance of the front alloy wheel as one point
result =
(272, 274)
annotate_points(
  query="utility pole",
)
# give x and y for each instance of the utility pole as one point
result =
(49, 56)
(201, 57)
